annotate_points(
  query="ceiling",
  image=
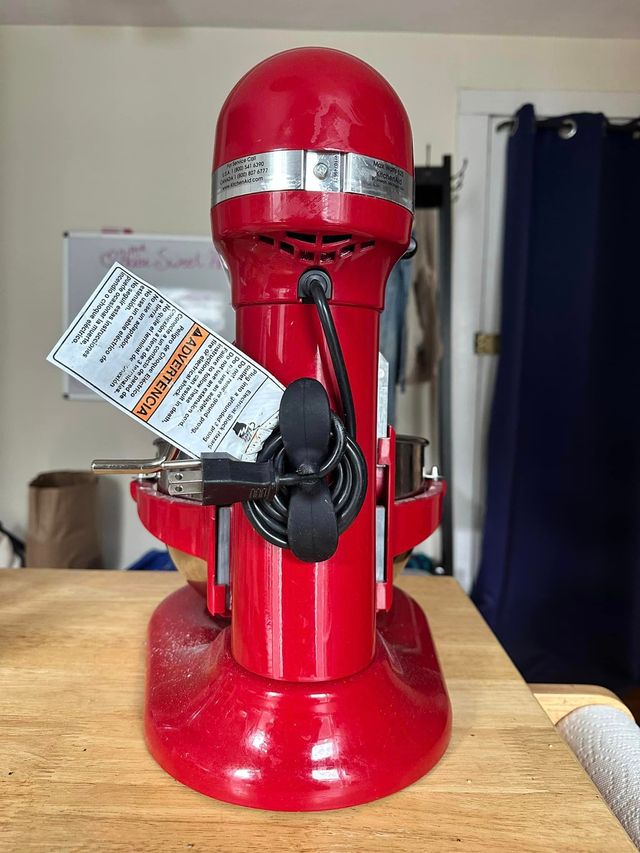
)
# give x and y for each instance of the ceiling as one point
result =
(569, 18)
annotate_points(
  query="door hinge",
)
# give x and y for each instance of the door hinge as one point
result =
(485, 343)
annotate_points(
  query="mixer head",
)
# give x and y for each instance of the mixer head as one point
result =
(313, 167)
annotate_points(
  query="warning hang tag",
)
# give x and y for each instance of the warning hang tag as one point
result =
(142, 353)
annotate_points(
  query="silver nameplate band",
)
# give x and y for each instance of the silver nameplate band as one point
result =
(314, 171)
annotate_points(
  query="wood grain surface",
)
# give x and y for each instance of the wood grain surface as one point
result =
(558, 700)
(75, 774)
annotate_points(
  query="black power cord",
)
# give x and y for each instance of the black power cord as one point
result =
(344, 462)
(315, 289)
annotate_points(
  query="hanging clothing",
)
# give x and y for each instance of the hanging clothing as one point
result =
(409, 328)
(393, 341)
(559, 580)
(424, 347)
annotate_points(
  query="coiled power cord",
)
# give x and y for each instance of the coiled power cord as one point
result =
(343, 463)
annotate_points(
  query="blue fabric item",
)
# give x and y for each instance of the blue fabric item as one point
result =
(559, 580)
(393, 339)
(155, 560)
(421, 563)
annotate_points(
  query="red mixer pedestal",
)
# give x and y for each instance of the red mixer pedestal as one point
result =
(269, 744)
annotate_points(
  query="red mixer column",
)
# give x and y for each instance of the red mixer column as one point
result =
(313, 170)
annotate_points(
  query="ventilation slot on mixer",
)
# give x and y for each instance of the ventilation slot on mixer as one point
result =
(335, 238)
(304, 238)
(317, 248)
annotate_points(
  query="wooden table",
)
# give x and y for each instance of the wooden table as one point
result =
(75, 773)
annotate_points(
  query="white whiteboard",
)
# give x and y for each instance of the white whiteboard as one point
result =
(187, 270)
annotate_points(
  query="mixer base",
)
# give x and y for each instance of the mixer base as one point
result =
(268, 744)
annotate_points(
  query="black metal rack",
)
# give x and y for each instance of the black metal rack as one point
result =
(433, 191)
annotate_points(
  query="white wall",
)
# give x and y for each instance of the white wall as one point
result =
(106, 126)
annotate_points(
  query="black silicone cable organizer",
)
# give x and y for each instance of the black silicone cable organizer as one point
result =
(321, 473)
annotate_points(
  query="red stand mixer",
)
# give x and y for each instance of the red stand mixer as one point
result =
(290, 674)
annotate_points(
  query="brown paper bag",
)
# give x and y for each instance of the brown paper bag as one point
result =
(62, 530)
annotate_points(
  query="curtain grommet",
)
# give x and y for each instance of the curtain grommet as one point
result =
(510, 124)
(568, 129)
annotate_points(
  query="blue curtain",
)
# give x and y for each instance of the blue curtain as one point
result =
(559, 580)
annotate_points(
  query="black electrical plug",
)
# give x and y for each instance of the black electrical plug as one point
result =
(226, 480)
